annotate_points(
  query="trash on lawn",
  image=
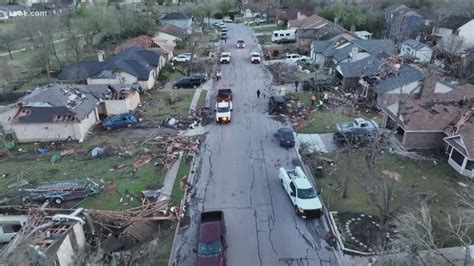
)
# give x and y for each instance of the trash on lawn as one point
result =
(151, 193)
(143, 160)
(67, 152)
(43, 150)
(110, 189)
(97, 152)
(55, 158)
(394, 175)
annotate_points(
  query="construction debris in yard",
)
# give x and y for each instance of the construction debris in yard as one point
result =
(142, 161)
(297, 112)
(394, 175)
(283, 73)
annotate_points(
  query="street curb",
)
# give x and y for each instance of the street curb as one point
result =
(190, 180)
(324, 221)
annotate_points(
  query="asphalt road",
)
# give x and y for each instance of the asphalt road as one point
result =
(238, 174)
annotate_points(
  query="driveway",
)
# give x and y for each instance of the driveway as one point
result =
(238, 173)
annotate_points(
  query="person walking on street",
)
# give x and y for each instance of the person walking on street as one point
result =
(313, 100)
(296, 85)
(218, 74)
(258, 93)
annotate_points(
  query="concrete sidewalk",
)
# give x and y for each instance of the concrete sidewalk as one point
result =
(204, 88)
(170, 179)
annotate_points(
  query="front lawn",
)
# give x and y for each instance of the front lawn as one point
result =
(159, 105)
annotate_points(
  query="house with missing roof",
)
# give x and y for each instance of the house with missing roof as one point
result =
(134, 65)
(402, 22)
(179, 20)
(417, 50)
(454, 34)
(345, 48)
(62, 111)
(437, 116)
(313, 28)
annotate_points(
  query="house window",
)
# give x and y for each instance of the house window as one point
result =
(457, 157)
(470, 165)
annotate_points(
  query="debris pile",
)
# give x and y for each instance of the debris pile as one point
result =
(297, 112)
(166, 148)
(283, 73)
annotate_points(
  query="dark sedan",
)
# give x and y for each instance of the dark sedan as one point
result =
(187, 82)
(286, 137)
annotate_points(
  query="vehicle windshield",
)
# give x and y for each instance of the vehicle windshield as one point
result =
(211, 249)
(225, 55)
(287, 135)
(223, 109)
(307, 193)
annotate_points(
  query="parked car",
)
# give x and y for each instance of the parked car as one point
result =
(181, 58)
(10, 225)
(357, 132)
(121, 120)
(285, 40)
(294, 58)
(200, 77)
(224, 29)
(255, 58)
(225, 58)
(187, 82)
(286, 137)
(240, 44)
(276, 105)
(212, 239)
(223, 35)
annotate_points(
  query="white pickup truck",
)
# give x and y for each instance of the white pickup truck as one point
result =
(294, 58)
(223, 111)
(302, 194)
(225, 58)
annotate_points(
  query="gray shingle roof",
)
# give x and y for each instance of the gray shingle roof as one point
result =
(80, 70)
(174, 15)
(373, 47)
(365, 67)
(12, 8)
(320, 46)
(58, 99)
(406, 75)
(414, 44)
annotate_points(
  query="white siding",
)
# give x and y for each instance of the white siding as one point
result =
(467, 33)
(167, 37)
(31, 132)
(113, 107)
(424, 55)
(65, 252)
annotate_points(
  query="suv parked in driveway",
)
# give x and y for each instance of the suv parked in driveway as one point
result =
(121, 120)
(276, 105)
(187, 82)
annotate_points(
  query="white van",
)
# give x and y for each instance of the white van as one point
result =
(284, 36)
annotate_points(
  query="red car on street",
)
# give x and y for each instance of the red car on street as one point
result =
(211, 243)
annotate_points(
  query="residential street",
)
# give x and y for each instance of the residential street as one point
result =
(238, 174)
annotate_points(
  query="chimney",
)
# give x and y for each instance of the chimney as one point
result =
(101, 55)
(354, 53)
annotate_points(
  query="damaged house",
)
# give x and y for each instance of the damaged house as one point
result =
(429, 117)
(162, 46)
(345, 47)
(315, 28)
(134, 65)
(61, 112)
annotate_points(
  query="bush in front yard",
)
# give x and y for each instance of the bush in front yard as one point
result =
(218, 15)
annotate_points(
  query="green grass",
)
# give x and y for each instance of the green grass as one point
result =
(165, 243)
(128, 184)
(202, 99)
(325, 121)
(268, 29)
(160, 107)
(264, 39)
(183, 171)
(416, 177)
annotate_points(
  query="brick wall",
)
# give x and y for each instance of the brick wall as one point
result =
(423, 140)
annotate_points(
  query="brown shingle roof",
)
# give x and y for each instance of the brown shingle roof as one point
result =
(432, 109)
(173, 30)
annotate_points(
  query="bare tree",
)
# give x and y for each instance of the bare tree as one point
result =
(27, 26)
(7, 41)
(416, 232)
